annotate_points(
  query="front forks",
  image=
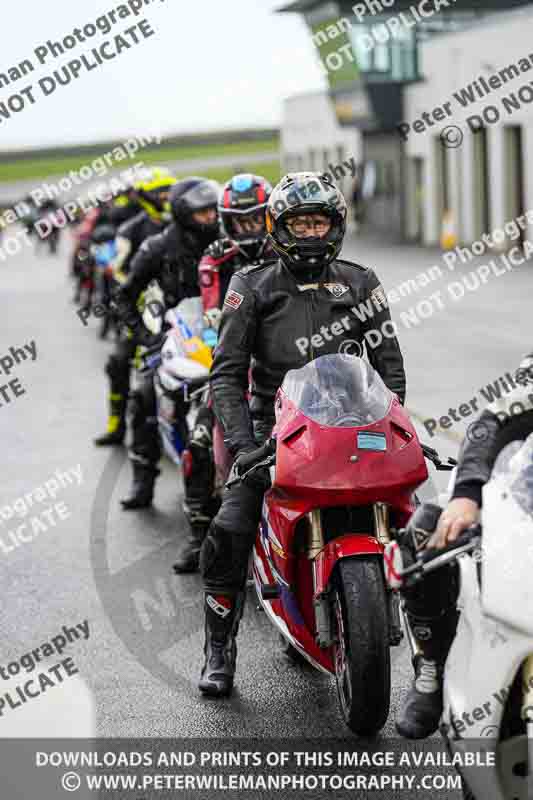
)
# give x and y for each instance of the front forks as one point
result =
(323, 618)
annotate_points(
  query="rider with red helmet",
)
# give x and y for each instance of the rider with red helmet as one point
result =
(242, 213)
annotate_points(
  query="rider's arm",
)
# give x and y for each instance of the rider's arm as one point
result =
(229, 373)
(473, 471)
(474, 463)
(144, 268)
(385, 356)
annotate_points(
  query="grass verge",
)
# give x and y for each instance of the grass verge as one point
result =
(29, 169)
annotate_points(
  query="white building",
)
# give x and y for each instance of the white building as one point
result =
(411, 83)
(488, 179)
(312, 138)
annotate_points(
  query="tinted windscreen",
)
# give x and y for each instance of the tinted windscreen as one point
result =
(339, 391)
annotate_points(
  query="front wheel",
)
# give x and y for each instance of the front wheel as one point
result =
(361, 650)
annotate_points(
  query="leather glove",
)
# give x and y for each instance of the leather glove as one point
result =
(259, 479)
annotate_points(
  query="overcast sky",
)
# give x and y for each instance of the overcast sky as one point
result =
(212, 64)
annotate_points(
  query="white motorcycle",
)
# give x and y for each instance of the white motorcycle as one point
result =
(488, 677)
(180, 362)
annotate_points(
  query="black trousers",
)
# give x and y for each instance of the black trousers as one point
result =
(118, 367)
(201, 504)
(229, 541)
(146, 445)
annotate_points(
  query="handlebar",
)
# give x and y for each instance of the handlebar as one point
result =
(435, 459)
(430, 554)
(428, 560)
(264, 456)
(251, 458)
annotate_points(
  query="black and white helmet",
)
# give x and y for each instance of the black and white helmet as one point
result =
(306, 193)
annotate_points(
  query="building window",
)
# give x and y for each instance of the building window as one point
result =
(394, 60)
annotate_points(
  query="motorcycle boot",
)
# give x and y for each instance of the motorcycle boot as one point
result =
(189, 558)
(223, 612)
(116, 425)
(430, 616)
(142, 492)
(422, 709)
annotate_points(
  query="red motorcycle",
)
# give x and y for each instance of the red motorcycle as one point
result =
(347, 462)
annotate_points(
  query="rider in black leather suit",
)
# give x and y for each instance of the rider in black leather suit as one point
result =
(172, 259)
(241, 207)
(277, 317)
(431, 605)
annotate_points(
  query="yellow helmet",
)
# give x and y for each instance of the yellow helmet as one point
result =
(153, 192)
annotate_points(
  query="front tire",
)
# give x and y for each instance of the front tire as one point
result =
(361, 650)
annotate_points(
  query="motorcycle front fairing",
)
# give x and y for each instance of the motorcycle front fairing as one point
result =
(343, 439)
(184, 366)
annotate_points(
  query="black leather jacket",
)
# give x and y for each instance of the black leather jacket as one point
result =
(503, 421)
(273, 323)
(171, 258)
(136, 230)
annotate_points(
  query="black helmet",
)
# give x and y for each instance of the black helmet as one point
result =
(190, 195)
(306, 193)
(103, 233)
(243, 196)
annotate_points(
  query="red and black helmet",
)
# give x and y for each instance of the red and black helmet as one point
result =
(243, 198)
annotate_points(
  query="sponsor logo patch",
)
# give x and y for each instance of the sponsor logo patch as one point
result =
(220, 605)
(336, 289)
(278, 550)
(233, 299)
(378, 296)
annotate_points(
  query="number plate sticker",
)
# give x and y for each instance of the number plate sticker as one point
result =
(371, 441)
